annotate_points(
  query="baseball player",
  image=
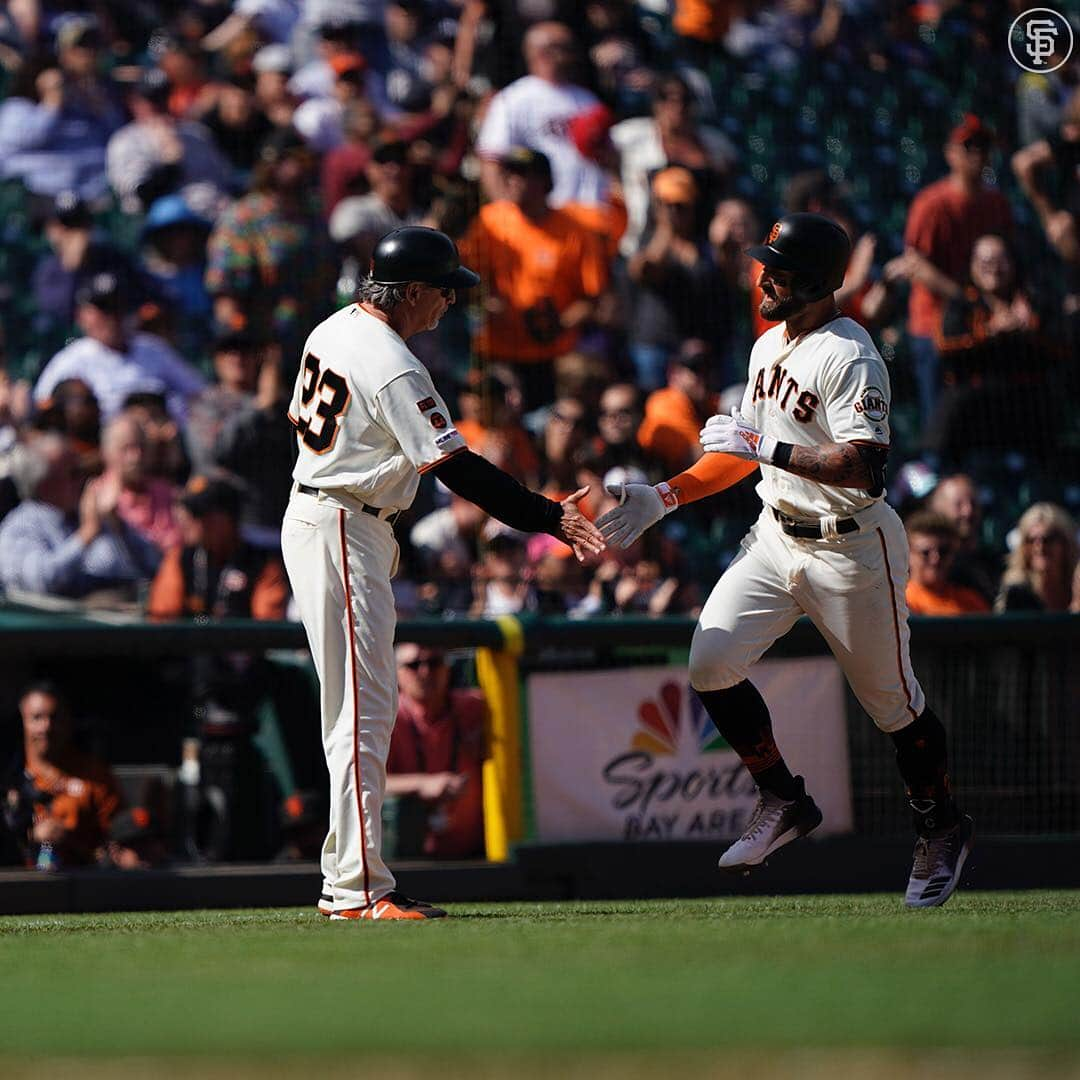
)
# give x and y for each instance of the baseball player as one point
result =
(814, 418)
(369, 422)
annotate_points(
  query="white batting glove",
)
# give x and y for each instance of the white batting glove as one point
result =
(736, 435)
(640, 507)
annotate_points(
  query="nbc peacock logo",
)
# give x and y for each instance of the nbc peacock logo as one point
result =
(661, 729)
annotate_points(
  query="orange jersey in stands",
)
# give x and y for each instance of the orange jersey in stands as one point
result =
(950, 600)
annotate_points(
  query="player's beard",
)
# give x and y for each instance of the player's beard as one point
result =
(776, 310)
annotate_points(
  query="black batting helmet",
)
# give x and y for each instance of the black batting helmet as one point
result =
(813, 248)
(413, 253)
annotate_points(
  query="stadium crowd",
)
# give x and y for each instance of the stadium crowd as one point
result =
(186, 188)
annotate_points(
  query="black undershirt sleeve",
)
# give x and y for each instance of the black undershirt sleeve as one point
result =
(499, 494)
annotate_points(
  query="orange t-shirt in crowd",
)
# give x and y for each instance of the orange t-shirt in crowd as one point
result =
(85, 796)
(539, 268)
(523, 458)
(609, 220)
(951, 600)
(450, 742)
(943, 223)
(670, 428)
(702, 20)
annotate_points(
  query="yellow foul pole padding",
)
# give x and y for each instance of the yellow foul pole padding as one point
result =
(497, 672)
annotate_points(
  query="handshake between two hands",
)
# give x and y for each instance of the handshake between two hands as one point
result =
(643, 505)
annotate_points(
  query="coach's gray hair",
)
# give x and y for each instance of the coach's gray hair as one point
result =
(383, 297)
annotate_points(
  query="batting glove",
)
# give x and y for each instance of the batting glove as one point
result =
(736, 435)
(640, 507)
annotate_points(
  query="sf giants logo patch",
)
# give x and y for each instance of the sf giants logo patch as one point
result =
(438, 421)
(872, 404)
(425, 403)
(774, 232)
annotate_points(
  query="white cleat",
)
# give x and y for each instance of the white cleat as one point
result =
(774, 823)
(935, 872)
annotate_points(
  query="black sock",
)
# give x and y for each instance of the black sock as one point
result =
(742, 718)
(922, 761)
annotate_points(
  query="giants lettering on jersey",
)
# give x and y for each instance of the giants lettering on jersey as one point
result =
(783, 388)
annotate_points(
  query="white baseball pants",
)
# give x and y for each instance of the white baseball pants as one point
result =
(852, 588)
(340, 563)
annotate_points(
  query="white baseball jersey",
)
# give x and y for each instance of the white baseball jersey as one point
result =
(828, 386)
(368, 418)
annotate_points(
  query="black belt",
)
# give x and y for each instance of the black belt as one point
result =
(374, 511)
(807, 530)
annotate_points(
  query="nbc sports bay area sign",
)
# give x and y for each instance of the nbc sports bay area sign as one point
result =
(629, 754)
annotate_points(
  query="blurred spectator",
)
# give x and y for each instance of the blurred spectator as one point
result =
(145, 502)
(932, 548)
(670, 136)
(165, 456)
(621, 53)
(618, 419)
(943, 223)
(359, 221)
(72, 410)
(339, 43)
(67, 538)
(490, 422)
(675, 415)
(156, 154)
(77, 254)
(565, 444)
(238, 357)
(404, 69)
(270, 20)
(59, 802)
(956, 499)
(675, 288)
(344, 168)
(733, 228)
(541, 274)
(1041, 563)
(1041, 100)
(54, 129)
(269, 260)
(272, 66)
(501, 581)
(237, 123)
(112, 359)
(446, 540)
(183, 64)
(534, 112)
(214, 571)
(321, 119)
(174, 254)
(995, 366)
(436, 757)
(1049, 173)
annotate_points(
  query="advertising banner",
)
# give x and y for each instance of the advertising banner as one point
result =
(629, 753)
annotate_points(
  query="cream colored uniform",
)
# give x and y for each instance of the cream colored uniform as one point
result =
(369, 422)
(829, 386)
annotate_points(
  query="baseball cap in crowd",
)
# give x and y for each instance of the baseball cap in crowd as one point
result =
(273, 58)
(172, 210)
(78, 32)
(339, 27)
(588, 130)
(70, 210)
(675, 185)
(971, 130)
(526, 160)
(153, 85)
(235, 339)
(695, 354)
(388, 147)
(106, 292)
(204, 494)
(344, 63)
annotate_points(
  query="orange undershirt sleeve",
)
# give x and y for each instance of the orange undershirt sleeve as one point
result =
(708, 475)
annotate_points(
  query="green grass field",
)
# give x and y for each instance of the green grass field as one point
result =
(797, 986)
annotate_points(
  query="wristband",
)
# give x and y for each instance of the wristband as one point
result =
(781, 455)
(667, 496)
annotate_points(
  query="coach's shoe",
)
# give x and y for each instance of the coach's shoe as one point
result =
(395, 905)
(938, 862)
(774, 823)
(325, 904)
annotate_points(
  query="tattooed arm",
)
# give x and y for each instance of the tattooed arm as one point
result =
(849, 465)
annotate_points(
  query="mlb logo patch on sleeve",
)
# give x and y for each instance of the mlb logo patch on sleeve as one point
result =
(425, 403)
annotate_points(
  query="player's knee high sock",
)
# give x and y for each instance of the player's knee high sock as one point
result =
(742, 717)
(921, 758)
